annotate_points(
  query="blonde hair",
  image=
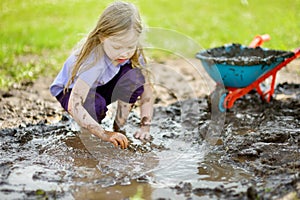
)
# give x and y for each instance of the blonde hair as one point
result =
(117, 17)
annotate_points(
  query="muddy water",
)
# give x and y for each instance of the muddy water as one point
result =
(258, 156)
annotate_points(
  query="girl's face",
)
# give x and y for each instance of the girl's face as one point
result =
(121, 47)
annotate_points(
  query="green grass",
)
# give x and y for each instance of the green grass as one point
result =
(36, 36)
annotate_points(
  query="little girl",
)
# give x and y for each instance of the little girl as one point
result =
(107, 68)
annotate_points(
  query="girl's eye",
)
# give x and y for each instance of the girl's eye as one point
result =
(120, 47)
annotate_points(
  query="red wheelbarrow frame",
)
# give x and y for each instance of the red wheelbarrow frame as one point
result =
(236, 93)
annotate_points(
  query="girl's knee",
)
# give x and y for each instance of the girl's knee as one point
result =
(96, 106)
(138, 92)
(130, 86)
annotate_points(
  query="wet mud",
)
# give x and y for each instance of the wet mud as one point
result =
(240, 55)
(258, 156)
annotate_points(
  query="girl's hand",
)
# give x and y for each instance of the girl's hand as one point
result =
(117, 139)
(143, 133)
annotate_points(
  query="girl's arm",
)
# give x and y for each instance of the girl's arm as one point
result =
(85, 120)
(146, 112)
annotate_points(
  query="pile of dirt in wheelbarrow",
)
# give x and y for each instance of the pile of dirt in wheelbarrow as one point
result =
(237, 54)
(44, 156)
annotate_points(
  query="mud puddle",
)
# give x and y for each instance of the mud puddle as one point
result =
(258, 156)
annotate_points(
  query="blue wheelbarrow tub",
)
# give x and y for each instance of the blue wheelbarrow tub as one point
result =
(238, 66)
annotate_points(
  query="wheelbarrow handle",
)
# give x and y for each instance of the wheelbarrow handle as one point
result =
(259, 40)
(297, 52)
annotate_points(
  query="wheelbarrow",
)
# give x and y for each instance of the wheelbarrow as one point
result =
(243, 68)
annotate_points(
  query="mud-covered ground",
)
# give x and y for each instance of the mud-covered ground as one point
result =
(44, 155)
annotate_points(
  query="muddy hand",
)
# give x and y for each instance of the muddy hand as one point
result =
(143, 133)
(117, 139)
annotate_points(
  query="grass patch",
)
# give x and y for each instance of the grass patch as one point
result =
(36, 36)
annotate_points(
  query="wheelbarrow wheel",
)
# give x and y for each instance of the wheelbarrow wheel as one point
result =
(216, 100)
(221, 102)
